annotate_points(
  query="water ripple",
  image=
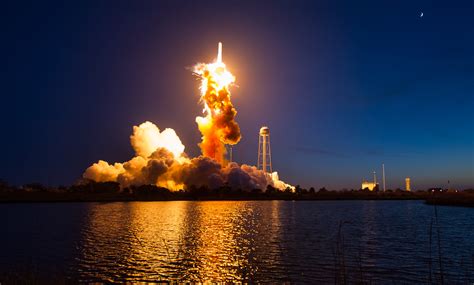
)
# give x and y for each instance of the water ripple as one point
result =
(259, 241)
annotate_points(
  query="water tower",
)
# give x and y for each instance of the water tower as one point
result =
(264, 151)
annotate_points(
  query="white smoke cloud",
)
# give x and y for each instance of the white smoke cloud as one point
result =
(103, 171)
(146, 138)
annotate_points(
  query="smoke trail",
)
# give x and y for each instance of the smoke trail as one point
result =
(219, 127)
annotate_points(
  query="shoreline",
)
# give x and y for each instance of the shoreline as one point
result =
(111, 192)
(448, 199)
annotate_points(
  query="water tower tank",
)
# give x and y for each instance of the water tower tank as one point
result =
(264, 153)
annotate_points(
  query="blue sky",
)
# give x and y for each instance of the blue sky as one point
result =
(343, 85)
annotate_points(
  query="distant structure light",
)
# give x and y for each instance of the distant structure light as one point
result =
(407, 184)
(368, 185)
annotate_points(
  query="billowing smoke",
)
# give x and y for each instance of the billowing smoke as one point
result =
(219, 127)
(160, 159)
(146, 138)
(166, 165)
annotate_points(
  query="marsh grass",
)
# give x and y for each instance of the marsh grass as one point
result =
(344, 274)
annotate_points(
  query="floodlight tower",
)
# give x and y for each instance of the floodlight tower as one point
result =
(229, 153)
(264, 151)
(383, 176)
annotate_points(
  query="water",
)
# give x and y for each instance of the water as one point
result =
(263, 241)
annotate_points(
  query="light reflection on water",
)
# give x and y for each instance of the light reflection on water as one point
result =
(179, 241)
(263, 241)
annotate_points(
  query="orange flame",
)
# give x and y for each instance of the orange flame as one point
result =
(218, 127)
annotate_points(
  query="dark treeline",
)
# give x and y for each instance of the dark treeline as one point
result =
(111, 191)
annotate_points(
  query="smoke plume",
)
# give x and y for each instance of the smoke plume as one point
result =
(219, 127)
(160, 158)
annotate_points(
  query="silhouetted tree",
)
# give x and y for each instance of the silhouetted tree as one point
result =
(192, 189)
(202, 191)
(35, 187)
(298, 190)
(270, 189)
(62, 189)
(105, 187)
(256, 191)
(4, 186)
(226, 189)
(150, 189)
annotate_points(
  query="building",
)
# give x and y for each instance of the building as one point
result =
(370, 185)
(407, 184)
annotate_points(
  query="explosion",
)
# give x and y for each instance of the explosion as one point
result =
(218, 127)
(160, 158)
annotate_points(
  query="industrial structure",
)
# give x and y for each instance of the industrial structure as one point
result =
(373, 185)
(264, 151)
(383, 176)
(407, 184)
(229, 153)
(370, 185)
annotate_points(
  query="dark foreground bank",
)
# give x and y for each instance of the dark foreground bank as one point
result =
(111, 191)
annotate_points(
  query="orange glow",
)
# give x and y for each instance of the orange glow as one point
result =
(159, 155)
(146, 138)
(218, 127)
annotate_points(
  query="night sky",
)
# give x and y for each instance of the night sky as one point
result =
(343, 85)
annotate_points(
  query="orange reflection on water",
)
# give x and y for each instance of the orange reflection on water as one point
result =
(181, 241)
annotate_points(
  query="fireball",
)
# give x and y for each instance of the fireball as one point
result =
(218, 127)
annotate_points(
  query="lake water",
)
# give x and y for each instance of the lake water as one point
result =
(261, 241)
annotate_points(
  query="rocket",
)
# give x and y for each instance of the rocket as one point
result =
(219, 53)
